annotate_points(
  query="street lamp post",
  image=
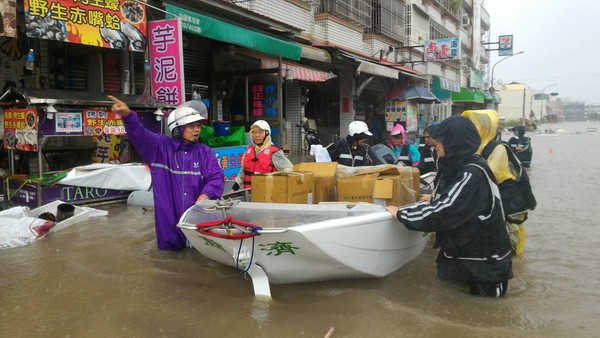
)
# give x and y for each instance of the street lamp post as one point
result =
(545, 100)
(492, 90)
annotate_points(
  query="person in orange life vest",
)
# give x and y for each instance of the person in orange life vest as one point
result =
(261, 157)
(405, 153)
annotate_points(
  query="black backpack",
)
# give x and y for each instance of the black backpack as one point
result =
(517, 196)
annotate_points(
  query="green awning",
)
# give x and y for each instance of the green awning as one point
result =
(443, 88)
(212, 28)
(466, 95)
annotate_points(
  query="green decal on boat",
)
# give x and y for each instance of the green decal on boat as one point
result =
(210, 242)
(278, 248)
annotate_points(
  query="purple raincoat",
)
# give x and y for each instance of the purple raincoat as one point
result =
(181, 172)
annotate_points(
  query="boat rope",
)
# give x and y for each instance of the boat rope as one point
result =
(223, 204)
(228, 224)
(237, 259)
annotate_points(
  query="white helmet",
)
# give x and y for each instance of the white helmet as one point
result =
(262, 124)
(358, 127)
(186, 113)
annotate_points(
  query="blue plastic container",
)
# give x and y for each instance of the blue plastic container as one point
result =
(221, 128)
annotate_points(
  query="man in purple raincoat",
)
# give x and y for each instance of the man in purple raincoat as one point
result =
(184, 171)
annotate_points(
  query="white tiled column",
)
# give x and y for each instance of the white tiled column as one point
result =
(293, 114)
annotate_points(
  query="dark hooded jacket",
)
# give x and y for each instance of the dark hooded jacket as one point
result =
(526, 153)
(465, 210)
(342, 152)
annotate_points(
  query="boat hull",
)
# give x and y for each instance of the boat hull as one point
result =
(310, 242)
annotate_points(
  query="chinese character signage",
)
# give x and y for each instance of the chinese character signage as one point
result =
(263, 100)
(101, 122)
(230, 159)
(20, 129)
(118, 24)
(442, 49)
(505, 45)
(166, 57)
(108, 148)
(8, 13)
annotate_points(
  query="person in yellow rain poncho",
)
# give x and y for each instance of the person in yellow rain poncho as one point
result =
(515, 190)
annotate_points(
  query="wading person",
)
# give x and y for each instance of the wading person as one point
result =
(521, 145)
(184, 171)
(465, 212)
(512, 179)
(261, 157)
(352, 151)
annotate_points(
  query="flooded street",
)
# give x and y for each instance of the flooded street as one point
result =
(105, 277)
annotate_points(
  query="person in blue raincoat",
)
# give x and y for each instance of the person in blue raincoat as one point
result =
(184, 171)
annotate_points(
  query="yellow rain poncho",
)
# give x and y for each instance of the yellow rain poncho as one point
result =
(487, 122)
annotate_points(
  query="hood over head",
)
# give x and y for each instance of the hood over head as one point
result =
(519, 131)
(460, 139)
(398, 130)
(486, 121)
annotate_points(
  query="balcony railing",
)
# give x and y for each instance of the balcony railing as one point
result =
(356, 11)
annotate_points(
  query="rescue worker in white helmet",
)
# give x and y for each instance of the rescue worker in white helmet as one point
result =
(184, 171)
(352, 151)
(261, 157)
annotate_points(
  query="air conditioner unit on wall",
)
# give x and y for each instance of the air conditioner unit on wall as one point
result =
(465, 22)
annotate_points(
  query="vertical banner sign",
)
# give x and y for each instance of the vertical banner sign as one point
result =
(505, 45)
(166, 57)
(442, 49)
(20, 129)
(118, 24)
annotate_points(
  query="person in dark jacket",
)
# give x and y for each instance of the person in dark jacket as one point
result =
(352, 151)
(465, 212)
(521, 146)
(184, 171)
(428, 154)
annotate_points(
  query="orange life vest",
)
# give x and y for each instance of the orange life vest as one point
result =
(258, 163)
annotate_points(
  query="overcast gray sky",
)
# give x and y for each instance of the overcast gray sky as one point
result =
(561, 40)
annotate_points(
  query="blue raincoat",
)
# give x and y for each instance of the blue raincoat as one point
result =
(181, 172)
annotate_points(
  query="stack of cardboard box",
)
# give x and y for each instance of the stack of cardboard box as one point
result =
(314, 182)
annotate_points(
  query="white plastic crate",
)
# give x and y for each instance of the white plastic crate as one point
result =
(81, 214)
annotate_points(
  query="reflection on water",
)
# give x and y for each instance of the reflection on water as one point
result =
(106, 278)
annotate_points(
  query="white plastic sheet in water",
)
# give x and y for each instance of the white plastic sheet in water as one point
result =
(110, 176)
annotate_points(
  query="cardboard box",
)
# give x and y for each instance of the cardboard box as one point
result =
(411, 184)
(283, 187)
(388, 190)
(324, 179)
(357, 188)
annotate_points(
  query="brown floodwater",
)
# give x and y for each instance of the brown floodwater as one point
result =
(106, 278)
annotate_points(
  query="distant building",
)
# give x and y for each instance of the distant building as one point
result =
(592, 112)
(574, 111)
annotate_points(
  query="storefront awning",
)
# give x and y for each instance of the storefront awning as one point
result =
(449, 85)
(466, 95)
(317, 54)
(443, 88)
(212, 28)
(370, 67)
(299, 72)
